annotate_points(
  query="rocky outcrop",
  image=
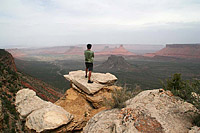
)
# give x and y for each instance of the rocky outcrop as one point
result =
(153, 111)
(115, 63)
(40, 115)
(77, 78)
(84, 100)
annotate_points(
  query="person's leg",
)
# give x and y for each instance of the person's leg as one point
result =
(90, 69)
(89, 76)
(86, 71)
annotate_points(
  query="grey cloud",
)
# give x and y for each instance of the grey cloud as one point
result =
(57, 22)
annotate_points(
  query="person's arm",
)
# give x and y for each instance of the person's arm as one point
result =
(93, 54)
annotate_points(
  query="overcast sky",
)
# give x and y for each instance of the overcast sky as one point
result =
(35, 23)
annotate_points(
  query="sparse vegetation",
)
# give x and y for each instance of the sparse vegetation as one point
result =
(189, 90)
(120, 96)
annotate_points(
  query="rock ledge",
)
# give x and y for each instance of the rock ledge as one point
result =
(77, 78)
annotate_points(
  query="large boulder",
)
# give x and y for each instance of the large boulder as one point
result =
(48, 118)
(40, 115)
(100, 80)
(154, 111)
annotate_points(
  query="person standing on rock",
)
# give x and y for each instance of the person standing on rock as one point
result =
(89, 55)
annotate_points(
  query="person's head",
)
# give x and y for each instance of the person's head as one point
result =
(89, 46)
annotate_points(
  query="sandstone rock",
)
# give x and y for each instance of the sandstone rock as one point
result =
(40, 115)
(100, 80)
(48, 118)
(108, 122)
(98, 98)
(150, 111)
(173, 114)
(79, 107)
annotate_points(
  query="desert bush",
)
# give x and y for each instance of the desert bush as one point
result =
(6, 118)
(189, 90)
(119, 96)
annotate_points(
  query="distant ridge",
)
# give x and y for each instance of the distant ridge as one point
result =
(178, 50)
(74, 50)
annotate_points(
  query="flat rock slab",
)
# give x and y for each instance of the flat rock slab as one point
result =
(100, 80)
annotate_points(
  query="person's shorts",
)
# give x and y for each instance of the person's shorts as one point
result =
(89, 66)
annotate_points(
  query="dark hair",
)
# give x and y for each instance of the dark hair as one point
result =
(89, 46)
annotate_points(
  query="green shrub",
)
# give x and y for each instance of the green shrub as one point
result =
(119, 96)
(13, 89)
(6, 118)
(189, 90)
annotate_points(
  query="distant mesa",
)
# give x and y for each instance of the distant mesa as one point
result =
(188, 51)
(115, 63)
(114, 51)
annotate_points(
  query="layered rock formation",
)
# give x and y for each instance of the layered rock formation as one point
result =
(84, 100)
(152, 111)
(40, 115)
(179, 51)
